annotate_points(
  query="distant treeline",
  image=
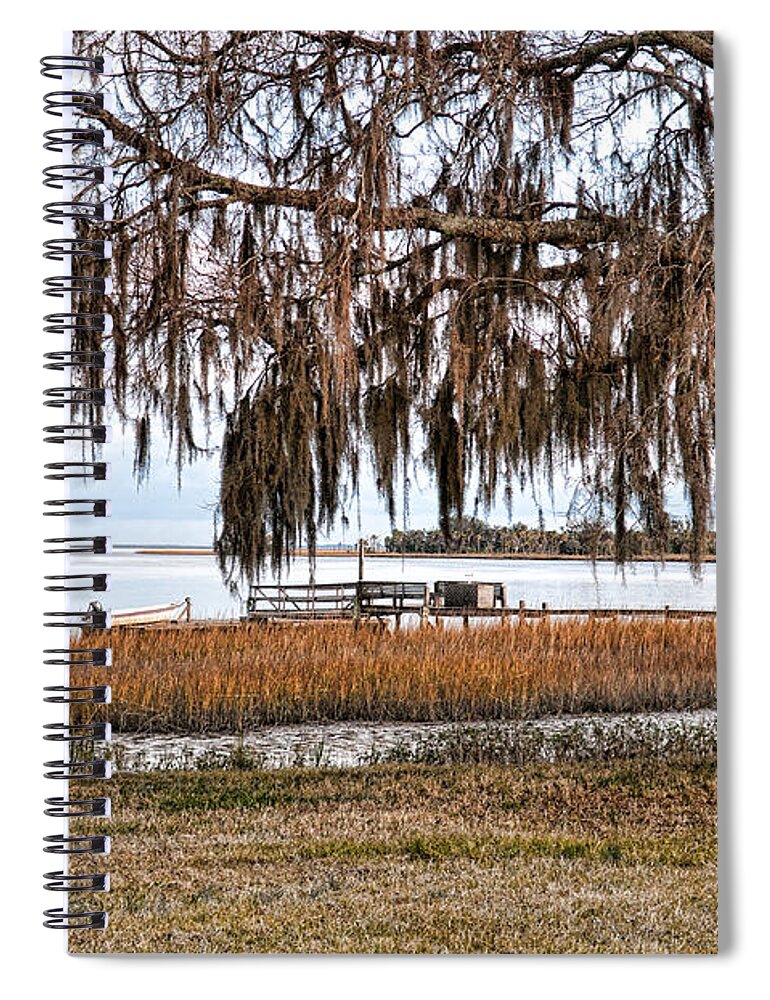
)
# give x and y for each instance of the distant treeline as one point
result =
(588, 538)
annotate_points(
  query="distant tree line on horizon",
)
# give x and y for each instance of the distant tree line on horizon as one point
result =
(586, 538)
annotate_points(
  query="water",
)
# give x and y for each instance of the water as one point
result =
(137, 580)
(353, 744)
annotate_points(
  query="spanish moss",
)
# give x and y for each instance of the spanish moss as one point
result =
(486, 253)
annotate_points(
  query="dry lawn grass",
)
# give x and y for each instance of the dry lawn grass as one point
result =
(230, 679)
(605, 857)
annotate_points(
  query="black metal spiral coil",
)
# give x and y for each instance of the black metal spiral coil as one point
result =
(74, 808)
(64, 284)
(59, 140)
(76, 656)
(62, 882)
(98, 471)
(72, 395)
(62, 732)
(71, 508)
(54, 66)
(59, 843)
(98, 545)
(77, 322)
(59, 361)
(79, 619)
(58, 212)
(62, 433)
(78, 770)
(99, 582)
(82, 248)
(91, 694)
(82, 920)
(58, 101)
(59, 174)
(74, 246)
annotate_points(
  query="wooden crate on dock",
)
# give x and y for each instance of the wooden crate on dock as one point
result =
(468, 594)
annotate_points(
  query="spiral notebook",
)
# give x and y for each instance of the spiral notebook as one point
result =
(384, 366)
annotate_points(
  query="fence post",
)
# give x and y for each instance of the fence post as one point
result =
(521, 611)
(424, 620)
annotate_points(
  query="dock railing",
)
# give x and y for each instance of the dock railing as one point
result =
(300, 599)
(377, 599)
(366, 598)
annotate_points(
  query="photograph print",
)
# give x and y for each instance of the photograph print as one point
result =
(413, 492)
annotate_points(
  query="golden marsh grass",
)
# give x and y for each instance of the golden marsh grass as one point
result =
(228, 679)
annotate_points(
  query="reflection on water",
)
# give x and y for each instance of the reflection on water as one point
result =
(137, 580)
(353, 744)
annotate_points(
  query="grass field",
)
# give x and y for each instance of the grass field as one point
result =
(614, 856)
(229, 679)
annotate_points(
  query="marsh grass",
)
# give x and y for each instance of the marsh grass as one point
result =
(205, 680)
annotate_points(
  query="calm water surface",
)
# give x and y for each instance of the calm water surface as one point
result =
(137, 580)
(354, 744)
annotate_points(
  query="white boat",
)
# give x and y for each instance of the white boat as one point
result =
(148, 616)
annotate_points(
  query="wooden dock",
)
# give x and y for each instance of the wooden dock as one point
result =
(384, 605)
(359, 600)
(377, 603)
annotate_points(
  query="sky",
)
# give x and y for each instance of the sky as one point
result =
(158, 513)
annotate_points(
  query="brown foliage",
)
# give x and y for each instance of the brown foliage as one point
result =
(233, 678)
(369, 243)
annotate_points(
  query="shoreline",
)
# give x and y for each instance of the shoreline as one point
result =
(677, 557)
(356, 743)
